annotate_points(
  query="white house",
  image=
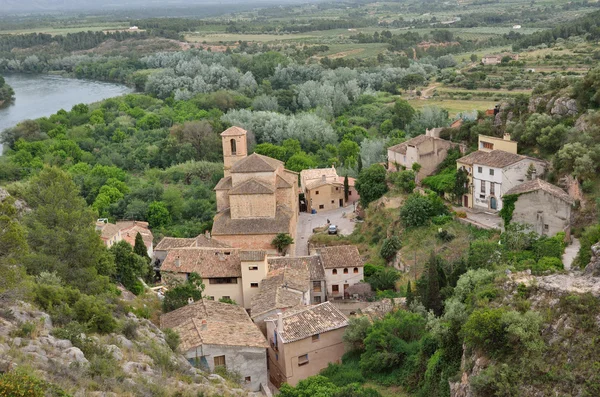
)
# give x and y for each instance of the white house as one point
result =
(343, 268)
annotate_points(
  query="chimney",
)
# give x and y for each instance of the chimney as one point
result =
(190, 300)
(323, 178)
(506, 136)
(207, 234)
(533, 174)
(177, 261)
(203, 325)
(279, 323)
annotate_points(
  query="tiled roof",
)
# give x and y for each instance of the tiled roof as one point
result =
(209, 242)
(312, 263)
(282, 183)
(256, 163)
(317, 173)
(224, 225)
(340, 256)
(207, 262)
(319, 183)
(416, 141)
(168, 243)
(107, 230)
(234, 131)
(538, 184)
(282, 288)
(252, 256)
(130, 229)
(213, 323)
(252, 186)
(310, 321)
(224, 184)
(495, 158)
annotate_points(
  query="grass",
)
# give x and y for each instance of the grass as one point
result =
(66, 30)
(354, 50)
(391, 391)
(453, 106)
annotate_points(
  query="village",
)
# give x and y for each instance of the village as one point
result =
(275, 313)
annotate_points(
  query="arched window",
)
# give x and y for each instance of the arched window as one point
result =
(334, 271)
(345, 270)
(233, 146)
(355, 270)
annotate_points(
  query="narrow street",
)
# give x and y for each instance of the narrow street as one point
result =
(307, 222)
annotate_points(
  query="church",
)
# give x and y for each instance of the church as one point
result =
(256, 199)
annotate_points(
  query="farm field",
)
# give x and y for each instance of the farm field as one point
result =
(57, 31)
(453, 106)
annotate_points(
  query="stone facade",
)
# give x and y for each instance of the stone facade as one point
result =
(257, 198)
(324, 190)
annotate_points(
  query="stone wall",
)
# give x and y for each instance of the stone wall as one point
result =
(252, 206)
(539, 208)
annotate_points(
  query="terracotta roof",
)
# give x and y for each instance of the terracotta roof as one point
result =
(416, 141)
(209, 242)
(316, 184)
(282, 183)
(312, 263)
(252, 186)
(107, 230)
(168, 243)
(282, 288)
(213, 323)
(224, 184)
(256, 163)
(313, 320)
(224, 225)
(340, 256)
(252, 256)
(234, 131)
(207, 262)
(538, 184)
(317, 173)
(130, 229)
(495, 158)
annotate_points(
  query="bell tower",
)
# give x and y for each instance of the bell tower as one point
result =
(235, 147)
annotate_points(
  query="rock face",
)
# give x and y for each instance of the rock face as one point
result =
(593, 268)
(562, 106)
(144, 363)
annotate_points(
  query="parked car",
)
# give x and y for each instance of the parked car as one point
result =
(332, 229)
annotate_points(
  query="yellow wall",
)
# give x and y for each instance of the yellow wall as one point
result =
(504, 144)
(327, 194)
(252, 276)
(252, 206)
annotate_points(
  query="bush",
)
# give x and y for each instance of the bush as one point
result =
(96, 313)
(390, 248)
(129, 329)
(172, 339)
(549, 246)
(484, 330)
(21, 384)
(441, 219)
(415, 211)
(384, 279)
(548, 263)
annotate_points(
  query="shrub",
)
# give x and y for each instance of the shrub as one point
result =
(390, 248)
(484, 330)
(96, 313)
(130, 329)
(445, 235)
(384, 279)
(548, 263)
(415, 211)
(441, 219)
(21, 384)
(589, 237)
(549, 246)
(172, 339)
(484, 254)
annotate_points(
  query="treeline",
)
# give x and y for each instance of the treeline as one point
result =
(6, 91)
(312, 25)
(587, 26)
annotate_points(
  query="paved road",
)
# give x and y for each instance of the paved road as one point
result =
(483, 219)
(307, 222)
(570, 253)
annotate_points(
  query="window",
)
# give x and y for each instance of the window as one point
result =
(482, 186)
(253, 285)
(331, 201)
(492, 188)
(546, 227)
(233, 146)
(321, 206)
(316, 286)
(491, 172)
(345, 270)
(252, 267)
(222, 280)
(337, 188)
(487, 145)
(480, 169)
(210, 298)
(335, 288)
(248, 379)
(317, 299)
(334, 271)
(316, 192)
(482, 196)
(315, 338)
(303, 359)
(355, 270)
(277, 356)
(226, 297)
(220, 361)
(349, 192)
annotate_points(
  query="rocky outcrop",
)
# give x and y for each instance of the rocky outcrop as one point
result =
(593, 268)
(144, 362)
(562, 107)
(20, 205)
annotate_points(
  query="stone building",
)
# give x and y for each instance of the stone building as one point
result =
(343, 267)
(304, 341)
(217, 334)
(318, 290)
(130, 229)
(226, 272)
(324, 190)
(169, 243)
(256, 199)
(109, 232)
(547, 208)
(427, 150)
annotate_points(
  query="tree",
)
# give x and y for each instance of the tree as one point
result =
(405, 180)
(355, 334)
(282, 241)
(371, 184)
(346, 188)
(416, 211)
(390, 248)
(158, 214)
(130, 266)
(461, 182)
(403, 114)
(179, 296)
(384, 279)
(140, 247)
(409, 294)
(474, 58)
(434, 299)
(314, 386)
(300, 161)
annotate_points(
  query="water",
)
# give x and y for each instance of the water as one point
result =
(43, 95)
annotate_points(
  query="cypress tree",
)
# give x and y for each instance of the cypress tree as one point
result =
(346, 188)
(140, 248)
(434, 300)
(409, 295)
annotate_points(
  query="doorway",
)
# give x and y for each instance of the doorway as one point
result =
(341, 202)
(466, 201)
(493, 203)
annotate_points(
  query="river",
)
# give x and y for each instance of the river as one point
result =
(43, 95)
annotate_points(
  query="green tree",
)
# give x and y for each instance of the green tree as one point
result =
(416, 211)
(384, 279)
(179, 295)
(282, 241)
(130, 266)
(348, 152)
(356, 332)
(409, 294)
(405, 180)
(371, 184)
(390, 248)
(434, 300)
(460, 184)
(314, 386)
(140, 248)
(346, 188)
(158, 214)
(403, 114)
(300, 161)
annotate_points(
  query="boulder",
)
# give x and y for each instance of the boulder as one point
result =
(115, 352)
(76, 355)
(593, 268)
(564, 106)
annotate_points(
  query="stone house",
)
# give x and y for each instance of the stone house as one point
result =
(343, 268)
(427, 150)
(324, 190)
(109, 232)
(496, 59)
(492, 173)
(217, 334)
(304, 341)
(256, 199)
(318, 290)
(284, 287)
(130, 229)
(488, 143)
(169, 243)
(544, 206)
